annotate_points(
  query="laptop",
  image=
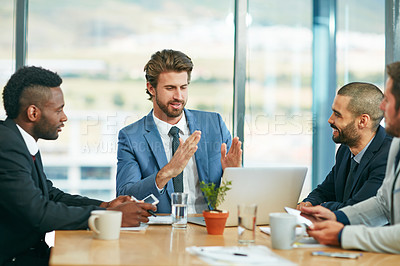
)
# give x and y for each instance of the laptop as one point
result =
(271, 188)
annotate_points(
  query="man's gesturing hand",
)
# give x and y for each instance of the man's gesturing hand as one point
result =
(180, 159)
(234, 157)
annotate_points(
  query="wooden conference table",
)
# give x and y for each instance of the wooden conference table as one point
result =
(161, 245)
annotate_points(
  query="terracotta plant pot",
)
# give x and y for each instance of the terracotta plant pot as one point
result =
(215, 221)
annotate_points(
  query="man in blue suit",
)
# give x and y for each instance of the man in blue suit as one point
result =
(362, 156)
(148, 161)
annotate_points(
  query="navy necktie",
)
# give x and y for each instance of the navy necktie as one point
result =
(178, 180)
(350, 179)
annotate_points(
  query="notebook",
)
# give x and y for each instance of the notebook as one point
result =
(271, 188)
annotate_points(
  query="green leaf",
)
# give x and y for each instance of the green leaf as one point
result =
(215, 195)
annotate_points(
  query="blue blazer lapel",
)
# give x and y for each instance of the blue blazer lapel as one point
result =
(201, 155)
(369, 153)
(153, 139)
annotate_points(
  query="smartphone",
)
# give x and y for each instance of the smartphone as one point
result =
(337, 254)
(151, 199)
(300, 218)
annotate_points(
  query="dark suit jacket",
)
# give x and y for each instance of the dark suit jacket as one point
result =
(141, 155)
(29, 204)
(367, 180)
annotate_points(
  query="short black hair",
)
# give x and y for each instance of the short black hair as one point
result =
(365, 98)
(34, 78)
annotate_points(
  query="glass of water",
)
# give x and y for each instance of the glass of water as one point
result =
(247, 223)
(179, 209)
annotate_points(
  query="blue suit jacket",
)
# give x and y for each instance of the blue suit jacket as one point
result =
(367, 180)
(141, 155)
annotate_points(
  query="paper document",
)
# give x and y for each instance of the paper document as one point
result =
(160, 219)
(304, 242)
(238, 255)
(300, 219)
(307, 242)
(135, 228)
(267, 230)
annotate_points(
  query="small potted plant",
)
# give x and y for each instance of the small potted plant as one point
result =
(215, 219)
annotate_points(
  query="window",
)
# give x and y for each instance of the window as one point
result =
(100, 48)
(278, 124)
(361, 42)
(6, 46)
(95, 173)
(56, 173)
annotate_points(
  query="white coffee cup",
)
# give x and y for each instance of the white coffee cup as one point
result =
(105, 224)
(283, 230)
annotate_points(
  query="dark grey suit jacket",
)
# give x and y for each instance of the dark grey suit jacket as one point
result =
(367, 179)
(29, 204)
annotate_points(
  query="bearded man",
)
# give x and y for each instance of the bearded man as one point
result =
(173, 149)
(362, 156)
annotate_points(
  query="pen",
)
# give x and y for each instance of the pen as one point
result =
(149, 211)
(152, 213)
(224, 252)
(240, 254)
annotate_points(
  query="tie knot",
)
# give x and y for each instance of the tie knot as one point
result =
(174, 131)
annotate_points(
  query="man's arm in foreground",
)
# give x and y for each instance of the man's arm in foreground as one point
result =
(374, 239)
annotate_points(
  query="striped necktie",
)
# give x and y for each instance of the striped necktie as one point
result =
(178, 180)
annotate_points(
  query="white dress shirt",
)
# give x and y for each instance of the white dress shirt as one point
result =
(30, 142)
(191, 185)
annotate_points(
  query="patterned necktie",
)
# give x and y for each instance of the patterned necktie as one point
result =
(178, 180)
(350, 179)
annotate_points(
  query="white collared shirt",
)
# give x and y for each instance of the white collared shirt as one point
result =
(191, 185)
(30, 142)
